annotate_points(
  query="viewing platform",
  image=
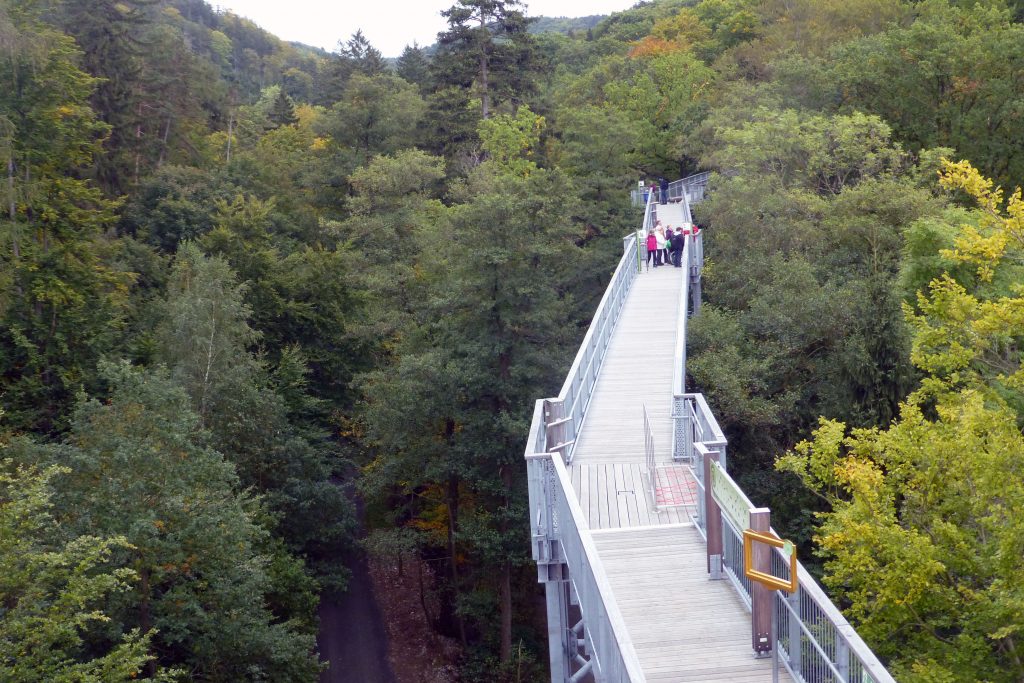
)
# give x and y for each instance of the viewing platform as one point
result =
(643, 568)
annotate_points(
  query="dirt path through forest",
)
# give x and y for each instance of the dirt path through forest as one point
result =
(352, 635)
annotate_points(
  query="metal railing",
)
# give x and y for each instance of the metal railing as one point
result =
(579, 383)
(691, 188)
(652, 465)
(692, 262)
(560, 532)
(815, 642)
(567, 534)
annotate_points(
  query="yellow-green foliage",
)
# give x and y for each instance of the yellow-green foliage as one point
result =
(511, 140)
(926, 533)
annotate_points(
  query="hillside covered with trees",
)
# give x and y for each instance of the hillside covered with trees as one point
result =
(236, 273)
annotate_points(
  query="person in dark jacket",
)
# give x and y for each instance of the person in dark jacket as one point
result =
(664, 190)
(677, 248)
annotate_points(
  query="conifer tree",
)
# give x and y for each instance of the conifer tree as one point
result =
(487, 48)
(366, 59)
(282, 111)
(414, 66)
(109, 33)
(450, 417)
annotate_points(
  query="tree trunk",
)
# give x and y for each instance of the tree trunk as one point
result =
(145, 619)
(138, 145)
(506, 612)
(453, 526)
(231, 128)
(163, 148)
(485, 103)
(423, 593)
(12, 207)
(505, 608)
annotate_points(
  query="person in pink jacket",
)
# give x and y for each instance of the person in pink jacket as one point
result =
(652, 249)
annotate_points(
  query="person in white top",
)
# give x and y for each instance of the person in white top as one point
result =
(659, 234)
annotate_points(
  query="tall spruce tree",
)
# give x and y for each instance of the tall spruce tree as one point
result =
(365, 57)
(414, 66)
(109, 33)
(490, 333)
(487, 48)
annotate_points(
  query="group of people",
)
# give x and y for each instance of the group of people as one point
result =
(665, 245)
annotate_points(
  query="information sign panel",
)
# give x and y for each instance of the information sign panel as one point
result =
(730, 498)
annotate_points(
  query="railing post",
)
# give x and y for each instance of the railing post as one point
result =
(760, 596)
(696, 267)
(842, 658)
(558, 629)
(795, 636)
(712, 520)
(688, 431)
(556, 428)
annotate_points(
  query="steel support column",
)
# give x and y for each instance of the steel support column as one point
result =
(558, 629)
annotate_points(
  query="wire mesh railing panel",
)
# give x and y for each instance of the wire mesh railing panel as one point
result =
(816, 643)
(732, 561)
(690, 188)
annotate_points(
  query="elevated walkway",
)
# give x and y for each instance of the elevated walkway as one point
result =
(682, 627)
(644, 574)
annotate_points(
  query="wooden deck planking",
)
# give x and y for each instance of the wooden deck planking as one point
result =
(684, 627)
(637, 371)
(615, 495)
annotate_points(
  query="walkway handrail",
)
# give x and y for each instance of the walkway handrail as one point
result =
(579, 383)
(691, 187)
(609, 640)
(582, 377)
(692, 261)
(559, 530)
(816, 643)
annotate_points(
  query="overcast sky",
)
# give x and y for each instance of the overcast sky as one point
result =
(389, 24)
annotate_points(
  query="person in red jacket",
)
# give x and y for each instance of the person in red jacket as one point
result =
(652, 249)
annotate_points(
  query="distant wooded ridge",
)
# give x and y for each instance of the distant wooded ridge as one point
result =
(566, 26)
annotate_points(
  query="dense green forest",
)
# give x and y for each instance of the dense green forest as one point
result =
(237, 272)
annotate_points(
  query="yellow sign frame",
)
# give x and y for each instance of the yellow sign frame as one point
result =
(768, 580)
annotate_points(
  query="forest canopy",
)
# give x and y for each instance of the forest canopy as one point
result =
(244, 283)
